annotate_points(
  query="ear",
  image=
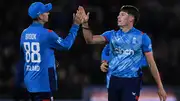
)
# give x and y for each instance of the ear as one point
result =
(41, 16)
(131, 18)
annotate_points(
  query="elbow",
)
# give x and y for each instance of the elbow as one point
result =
(89, 42)
(67, 47)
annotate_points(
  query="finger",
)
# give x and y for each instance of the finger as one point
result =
(88, 14)
(103, 70)
(105, 64)
(81, 6)
(160, 97)
(78, 11)
(77, 15)
(164, 98)
(81, 9)
(104, 67)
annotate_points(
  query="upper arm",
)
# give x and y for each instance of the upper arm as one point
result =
(54, 40)
(107, 35)
(147, 48)
(98, 39)
(146, 43)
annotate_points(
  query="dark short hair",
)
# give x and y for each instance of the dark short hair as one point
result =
(132, 10)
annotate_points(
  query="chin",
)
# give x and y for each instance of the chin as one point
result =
(120, 24)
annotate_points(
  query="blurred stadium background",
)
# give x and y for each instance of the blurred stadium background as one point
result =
(80, 78)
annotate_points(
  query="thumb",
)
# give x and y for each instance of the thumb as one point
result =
(106, 64)
(88, 14)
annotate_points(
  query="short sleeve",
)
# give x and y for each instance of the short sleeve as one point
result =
(107, 35)
(146, 43)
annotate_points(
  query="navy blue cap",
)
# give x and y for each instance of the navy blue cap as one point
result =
(37, 8)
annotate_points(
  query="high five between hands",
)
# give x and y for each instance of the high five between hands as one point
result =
(81, 17)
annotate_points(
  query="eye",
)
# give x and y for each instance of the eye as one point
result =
(122, 14)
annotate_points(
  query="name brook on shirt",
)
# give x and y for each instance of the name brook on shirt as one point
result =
(30, 36)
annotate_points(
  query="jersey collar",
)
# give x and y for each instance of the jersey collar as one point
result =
(131, 30)
(37, 24)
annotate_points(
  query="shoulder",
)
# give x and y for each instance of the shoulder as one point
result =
(139, 32)
(25, 30)
(108, 33)
(49, 32)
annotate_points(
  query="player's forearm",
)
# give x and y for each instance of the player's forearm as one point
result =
(88, 36)
(69, 40)
(155, 74)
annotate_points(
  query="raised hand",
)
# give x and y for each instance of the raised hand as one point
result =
(83, 13)
(78, 17)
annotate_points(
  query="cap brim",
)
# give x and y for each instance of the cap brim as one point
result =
(48, 7)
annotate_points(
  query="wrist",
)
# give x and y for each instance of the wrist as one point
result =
(103, 61)
(85, 24)
(160, 86)
(75, 23)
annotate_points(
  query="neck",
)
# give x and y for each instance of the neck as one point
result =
(40, 21)
(126, 28)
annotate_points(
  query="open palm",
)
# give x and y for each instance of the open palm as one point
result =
(84, 15)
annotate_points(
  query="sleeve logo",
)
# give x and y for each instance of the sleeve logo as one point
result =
(150, 46)
(59, 40)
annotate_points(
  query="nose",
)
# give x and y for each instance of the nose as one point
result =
(118, 16)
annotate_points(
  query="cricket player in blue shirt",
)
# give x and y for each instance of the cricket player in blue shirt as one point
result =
(37, 46)
(106, 57)
(128, 46)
